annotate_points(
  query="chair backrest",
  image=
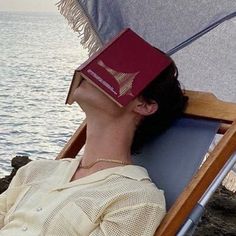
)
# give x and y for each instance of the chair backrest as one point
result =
(173, 157)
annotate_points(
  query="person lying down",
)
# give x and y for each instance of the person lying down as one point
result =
(101, 192)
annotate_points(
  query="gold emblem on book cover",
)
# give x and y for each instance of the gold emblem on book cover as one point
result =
(124, 80)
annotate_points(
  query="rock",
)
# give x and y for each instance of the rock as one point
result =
(19, 161)
(16, 163)
(220, 215)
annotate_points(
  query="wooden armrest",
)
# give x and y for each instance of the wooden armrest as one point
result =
(75, 143)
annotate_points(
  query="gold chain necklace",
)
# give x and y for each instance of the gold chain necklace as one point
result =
(103, 160)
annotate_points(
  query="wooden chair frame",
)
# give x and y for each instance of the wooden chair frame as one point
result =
(200, 105)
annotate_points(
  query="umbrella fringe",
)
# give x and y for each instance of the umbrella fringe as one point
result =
(80, 23)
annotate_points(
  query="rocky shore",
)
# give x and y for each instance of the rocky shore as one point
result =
(16, 163)
(219, 218)
(220, 215)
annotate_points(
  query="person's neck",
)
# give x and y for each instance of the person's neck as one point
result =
(108, 139)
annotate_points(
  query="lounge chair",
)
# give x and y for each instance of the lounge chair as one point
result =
(175, 169)
(174, 158)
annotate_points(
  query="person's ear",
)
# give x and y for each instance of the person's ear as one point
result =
(145, 108)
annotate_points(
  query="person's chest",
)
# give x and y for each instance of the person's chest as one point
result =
(46, 210)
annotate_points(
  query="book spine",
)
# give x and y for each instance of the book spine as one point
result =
(74, 84)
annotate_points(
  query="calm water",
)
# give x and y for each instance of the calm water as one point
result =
(38, 54)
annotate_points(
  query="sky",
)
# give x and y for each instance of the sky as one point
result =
(28, 5)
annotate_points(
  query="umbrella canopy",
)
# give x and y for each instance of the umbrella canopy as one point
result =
(165, 24)
(209, 63)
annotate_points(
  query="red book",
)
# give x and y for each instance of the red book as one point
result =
(122, 68)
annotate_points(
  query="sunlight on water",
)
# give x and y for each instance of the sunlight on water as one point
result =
(39, 53)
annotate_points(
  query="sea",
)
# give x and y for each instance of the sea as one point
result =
(38, 55)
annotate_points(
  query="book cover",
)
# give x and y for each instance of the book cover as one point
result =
(122, 68)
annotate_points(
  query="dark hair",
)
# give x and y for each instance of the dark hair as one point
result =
(166, 91)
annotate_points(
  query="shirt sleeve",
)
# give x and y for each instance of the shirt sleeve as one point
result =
(3, 206)
(142, 220)
(13, 191)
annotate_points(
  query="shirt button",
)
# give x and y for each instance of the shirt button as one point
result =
(39, 209)
(24, 228)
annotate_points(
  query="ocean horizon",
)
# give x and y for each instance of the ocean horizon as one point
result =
(39, 53)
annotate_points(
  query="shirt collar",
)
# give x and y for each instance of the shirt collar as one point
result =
(129, 171)
(133, 172)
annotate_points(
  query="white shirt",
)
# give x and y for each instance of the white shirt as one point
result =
(41, 200)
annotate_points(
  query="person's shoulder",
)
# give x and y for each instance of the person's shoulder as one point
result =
(130, 192)
(38, 170)
(148, 192)
(136, 182)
